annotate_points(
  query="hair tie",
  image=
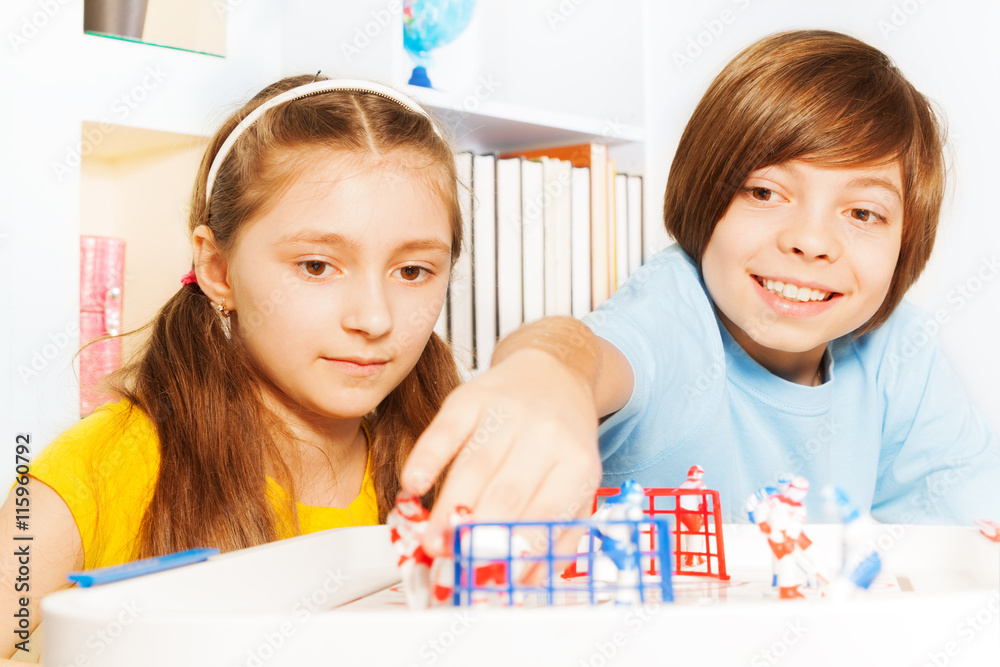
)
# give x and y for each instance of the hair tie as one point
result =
(189, 277)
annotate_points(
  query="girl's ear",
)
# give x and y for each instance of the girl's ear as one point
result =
(211, 267)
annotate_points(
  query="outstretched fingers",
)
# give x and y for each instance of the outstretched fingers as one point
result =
(438, 444)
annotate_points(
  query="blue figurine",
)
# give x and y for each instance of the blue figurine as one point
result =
(619, 542)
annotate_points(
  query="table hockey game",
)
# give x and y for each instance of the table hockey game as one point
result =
(336, 597)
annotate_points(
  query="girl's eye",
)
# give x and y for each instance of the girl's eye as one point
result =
(760, 194)
(412, 274)
(864, 215)
(314, 267)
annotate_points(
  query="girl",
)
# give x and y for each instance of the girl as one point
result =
(804, 198)
(282, 387)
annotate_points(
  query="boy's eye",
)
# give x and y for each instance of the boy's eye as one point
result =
(864, 215)
(759, 193)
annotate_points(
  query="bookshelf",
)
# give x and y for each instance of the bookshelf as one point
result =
(497, 93)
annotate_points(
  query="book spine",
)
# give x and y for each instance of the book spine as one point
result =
(460, 288)
(484, 266)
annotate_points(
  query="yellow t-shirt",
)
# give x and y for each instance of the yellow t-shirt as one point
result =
(105, 468)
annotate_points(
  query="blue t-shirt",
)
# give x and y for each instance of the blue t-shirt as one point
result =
(891, 425)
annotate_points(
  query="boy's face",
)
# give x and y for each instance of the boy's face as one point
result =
(339, 284)
(804, 254)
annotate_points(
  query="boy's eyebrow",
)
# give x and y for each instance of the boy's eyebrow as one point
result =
(335, 240)
(876, 182)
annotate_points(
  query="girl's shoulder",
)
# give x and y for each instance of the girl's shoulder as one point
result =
(118, 437)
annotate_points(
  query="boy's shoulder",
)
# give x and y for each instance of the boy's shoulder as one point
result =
(906, 343)
(671, 259)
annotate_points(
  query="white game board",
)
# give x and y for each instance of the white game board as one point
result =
(332, 598)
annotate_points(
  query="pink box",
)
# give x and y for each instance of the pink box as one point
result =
(102, 270)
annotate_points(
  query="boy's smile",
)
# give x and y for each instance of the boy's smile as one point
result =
(803, 255)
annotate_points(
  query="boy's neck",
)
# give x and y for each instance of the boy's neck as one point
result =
(798, 367)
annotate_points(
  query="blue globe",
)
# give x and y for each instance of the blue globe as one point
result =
(429, 24)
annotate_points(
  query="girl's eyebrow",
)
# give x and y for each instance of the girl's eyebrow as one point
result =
(876, 182)
(334, 240)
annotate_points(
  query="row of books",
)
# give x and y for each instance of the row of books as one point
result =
(546, 232)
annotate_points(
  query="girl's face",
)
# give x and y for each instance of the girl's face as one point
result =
(338, 286)
(804, 254)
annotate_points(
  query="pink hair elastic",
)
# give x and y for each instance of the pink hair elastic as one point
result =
(189, 278)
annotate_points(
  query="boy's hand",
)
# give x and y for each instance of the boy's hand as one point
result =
(524, 440)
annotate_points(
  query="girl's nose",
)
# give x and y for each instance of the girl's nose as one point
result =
(368, 311)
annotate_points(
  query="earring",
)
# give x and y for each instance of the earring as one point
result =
(224, 313)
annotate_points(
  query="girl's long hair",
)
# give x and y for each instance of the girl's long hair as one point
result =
(218, 440)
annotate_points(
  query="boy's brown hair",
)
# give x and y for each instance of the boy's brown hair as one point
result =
(821, 97)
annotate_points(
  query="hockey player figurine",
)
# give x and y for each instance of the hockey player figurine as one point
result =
(620, 542)
(408, 522)
(756, 510)
(691, 515)
(990, 529)
(860, 563)
(785, 518)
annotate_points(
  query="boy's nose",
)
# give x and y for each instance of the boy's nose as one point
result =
(811, 238)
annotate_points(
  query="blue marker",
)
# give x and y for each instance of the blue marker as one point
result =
(106, 575)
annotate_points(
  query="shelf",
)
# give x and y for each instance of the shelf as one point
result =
(197, 26)
(488, 125)
(122, 38)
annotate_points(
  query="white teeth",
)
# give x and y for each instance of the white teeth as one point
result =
(793, 292)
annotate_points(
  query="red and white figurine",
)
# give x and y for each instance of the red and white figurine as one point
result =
(782, 520)
(990, 529)
(408, 523)
(691, 515)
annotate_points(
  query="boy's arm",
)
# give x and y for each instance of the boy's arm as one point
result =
(54, 551)
(523, 435)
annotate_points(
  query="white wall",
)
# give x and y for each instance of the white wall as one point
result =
(950, 52)
(54, 77)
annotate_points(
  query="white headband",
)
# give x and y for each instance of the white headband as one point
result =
(314, 88)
